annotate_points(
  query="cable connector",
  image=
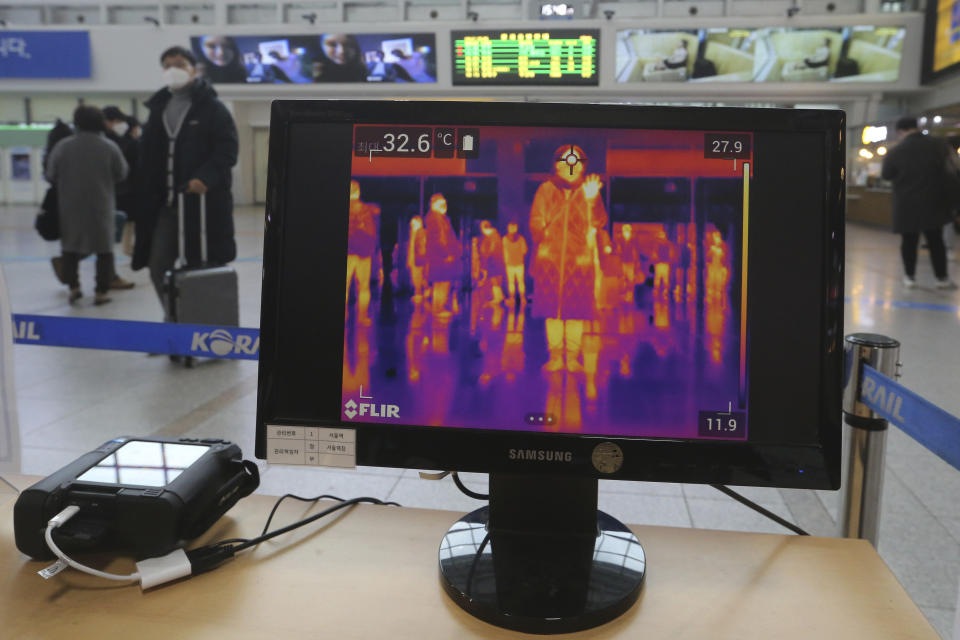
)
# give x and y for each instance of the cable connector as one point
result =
(207, 558)
(156, 571)
(61, 518)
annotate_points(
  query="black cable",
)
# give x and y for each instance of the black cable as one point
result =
(753, 505)
(473, 494)
(276, 505)
(476, 561)
(210, 556)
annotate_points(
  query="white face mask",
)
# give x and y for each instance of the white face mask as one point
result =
(176, 78)
(121, 128)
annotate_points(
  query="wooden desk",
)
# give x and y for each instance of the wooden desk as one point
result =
(372, 574)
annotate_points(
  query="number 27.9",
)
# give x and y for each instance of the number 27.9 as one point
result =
(726, 146)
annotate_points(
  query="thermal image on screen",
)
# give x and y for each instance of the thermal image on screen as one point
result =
(548, 279)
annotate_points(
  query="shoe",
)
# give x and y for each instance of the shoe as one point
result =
(57, 263)
(75, 294)
(101, 298)
(946, 283)
(909, 283)
(555, 363)
(120, 283)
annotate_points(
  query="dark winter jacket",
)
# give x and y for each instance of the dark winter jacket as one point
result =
(126, 190)
(918, 167)
(206, 150)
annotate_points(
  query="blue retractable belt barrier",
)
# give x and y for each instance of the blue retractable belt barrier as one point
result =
(147, 337)
(926, 423)
(923, 421)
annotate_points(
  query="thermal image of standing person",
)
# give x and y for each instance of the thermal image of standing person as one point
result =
(566, 213)
(662, 266)
(361, 246)
(417, 257)
(492, 263)
(514, 253)
(443, 249)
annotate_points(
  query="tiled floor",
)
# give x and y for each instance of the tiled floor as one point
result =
(72, 400)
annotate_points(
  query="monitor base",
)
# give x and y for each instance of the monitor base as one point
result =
(541, 582)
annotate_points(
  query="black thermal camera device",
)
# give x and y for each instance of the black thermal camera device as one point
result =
(139, 495)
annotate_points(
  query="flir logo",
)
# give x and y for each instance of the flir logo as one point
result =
(221, 342)
(353, 409)
(25, 330)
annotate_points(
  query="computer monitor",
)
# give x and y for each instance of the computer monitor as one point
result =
(553, 294)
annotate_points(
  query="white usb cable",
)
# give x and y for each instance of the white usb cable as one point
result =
(150, 572)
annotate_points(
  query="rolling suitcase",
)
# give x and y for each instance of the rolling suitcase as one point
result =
(200, 294)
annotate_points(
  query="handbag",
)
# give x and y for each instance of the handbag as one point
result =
(47, 222)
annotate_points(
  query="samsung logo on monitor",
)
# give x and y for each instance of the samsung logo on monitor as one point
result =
(541, 455)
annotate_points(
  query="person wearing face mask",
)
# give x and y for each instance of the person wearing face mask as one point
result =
(567, 211)
(189, 142)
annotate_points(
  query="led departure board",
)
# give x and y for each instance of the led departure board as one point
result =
(554, 57)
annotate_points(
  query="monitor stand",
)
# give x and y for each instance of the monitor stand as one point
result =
(541, 558)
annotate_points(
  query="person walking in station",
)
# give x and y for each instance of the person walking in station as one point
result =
(923, 174)
(189, 141)
(86, 168)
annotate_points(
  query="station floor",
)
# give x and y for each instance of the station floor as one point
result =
(72, 400)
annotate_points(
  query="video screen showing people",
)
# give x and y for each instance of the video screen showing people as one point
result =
(705, 55)
(848, 54)
(547, 279)
(329, 57)
(841, 54)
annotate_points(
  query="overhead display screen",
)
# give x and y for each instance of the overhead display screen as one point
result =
(848, 54)
(823, 54)
(712, 55)
(327, 57)
(554, 57)
(946, 36)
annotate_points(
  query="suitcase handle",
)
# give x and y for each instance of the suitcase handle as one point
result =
(181, 215)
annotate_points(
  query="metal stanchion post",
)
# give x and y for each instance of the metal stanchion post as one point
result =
(867, 431)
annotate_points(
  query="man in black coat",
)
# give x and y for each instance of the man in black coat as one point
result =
(921, 169)
(189, 142)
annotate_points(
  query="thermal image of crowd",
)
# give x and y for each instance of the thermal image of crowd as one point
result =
(544, 286)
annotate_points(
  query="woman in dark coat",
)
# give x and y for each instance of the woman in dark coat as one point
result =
(566, 213)
(86, 168)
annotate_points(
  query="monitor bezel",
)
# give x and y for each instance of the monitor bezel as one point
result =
(814, 466)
